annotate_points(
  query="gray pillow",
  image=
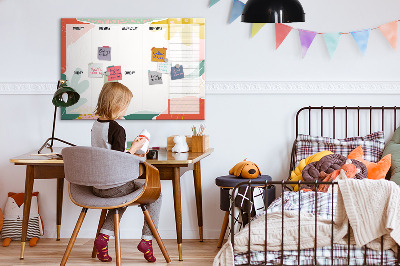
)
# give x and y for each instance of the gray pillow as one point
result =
(393, 148)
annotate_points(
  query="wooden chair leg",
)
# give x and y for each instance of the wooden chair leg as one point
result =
(73, 237)
(117, 238)
(223, 229)
(154, 230)
(101, 222)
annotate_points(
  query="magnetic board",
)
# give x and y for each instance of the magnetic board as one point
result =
(160, 60)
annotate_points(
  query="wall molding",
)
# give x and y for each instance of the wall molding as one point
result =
(251, 87)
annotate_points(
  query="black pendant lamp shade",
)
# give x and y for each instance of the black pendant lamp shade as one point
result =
(273, 11)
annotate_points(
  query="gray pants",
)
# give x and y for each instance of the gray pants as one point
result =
(154, 208)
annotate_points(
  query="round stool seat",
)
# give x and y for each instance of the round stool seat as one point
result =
(230, 181)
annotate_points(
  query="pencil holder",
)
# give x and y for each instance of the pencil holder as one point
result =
(200, 143)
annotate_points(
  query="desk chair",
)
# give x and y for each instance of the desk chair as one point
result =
(85, 167)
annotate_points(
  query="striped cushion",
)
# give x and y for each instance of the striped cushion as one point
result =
(372, 145)
(13, 228)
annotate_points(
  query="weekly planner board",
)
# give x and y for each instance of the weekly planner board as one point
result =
(160, 60)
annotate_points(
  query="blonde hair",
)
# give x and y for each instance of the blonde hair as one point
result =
(113, 99)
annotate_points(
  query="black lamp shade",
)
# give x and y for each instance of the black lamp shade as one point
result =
(73, 97)
(273, 11)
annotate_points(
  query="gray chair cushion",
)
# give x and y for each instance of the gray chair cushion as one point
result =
(84, 196)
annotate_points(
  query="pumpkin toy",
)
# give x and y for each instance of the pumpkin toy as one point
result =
(245, 169)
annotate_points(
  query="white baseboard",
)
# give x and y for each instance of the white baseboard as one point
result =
(250, 87)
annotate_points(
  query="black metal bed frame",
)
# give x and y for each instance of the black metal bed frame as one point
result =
(283, 184)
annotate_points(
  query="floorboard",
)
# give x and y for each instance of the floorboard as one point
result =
(50, 252)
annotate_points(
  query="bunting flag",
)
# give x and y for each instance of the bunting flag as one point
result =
(256, 27)
(332, 41)
(281, 31)
(361, 37)
(389, 30)
(237, 9)
(306, 39)
(213, 2)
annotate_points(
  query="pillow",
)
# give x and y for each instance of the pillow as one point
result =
(375, 170)
(372, 144)
(393, 148)
(296, 174)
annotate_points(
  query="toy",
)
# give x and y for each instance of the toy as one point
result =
(296, 174)
(13, 215)
(180, 144)
(144, 134)
(245, 169)
(375, 170)
(1, 219)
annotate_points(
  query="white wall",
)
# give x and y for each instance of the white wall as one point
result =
(259, 127)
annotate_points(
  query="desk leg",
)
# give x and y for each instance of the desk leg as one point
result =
(199, 204)
(27, 206)
(176, 182)
(60, 190)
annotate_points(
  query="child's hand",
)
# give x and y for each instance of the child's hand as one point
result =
(137, 144)
(142, 155)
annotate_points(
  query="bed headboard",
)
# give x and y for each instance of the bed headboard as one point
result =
(344, 121)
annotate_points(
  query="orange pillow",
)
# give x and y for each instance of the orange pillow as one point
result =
(375, 170)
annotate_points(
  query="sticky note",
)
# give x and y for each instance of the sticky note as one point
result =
(115, 73)
(163, 67)
(177, 72)
(95, 70)
(155, 78)
(104, 53)
(158, 54)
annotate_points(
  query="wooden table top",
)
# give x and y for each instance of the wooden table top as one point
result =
(164, 157)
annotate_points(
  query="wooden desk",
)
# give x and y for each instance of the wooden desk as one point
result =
(168, 164)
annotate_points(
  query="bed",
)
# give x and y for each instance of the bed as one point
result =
(298, 209)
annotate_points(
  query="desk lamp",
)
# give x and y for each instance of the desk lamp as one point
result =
(273, 11)
(64, 97)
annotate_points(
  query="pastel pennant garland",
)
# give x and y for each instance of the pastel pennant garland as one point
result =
(361, 37)
(256, 27)
(237, 9)
(213, 2)
(281, 31)
(389, 30)
(306, 39)
(332, 41)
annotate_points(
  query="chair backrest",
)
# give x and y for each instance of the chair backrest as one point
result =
(92, 166)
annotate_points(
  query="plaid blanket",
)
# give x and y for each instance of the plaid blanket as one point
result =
(323, 205)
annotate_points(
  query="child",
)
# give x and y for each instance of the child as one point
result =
(113, 102)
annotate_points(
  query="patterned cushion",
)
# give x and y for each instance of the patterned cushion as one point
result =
(372, 144)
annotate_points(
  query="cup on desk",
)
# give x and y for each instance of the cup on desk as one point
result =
(152, 155)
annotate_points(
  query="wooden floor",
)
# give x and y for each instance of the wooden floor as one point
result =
(50, 252)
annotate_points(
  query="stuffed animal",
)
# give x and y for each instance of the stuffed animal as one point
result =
(1, 219)
(13, 215)
(245, 169)
(180, 144)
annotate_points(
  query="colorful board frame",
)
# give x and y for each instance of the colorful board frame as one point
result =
(131, 41)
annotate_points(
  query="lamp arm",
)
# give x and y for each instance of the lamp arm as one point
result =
(54, 126)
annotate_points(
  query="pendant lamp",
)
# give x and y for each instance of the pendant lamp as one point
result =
(273, 11)
(63, 97)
